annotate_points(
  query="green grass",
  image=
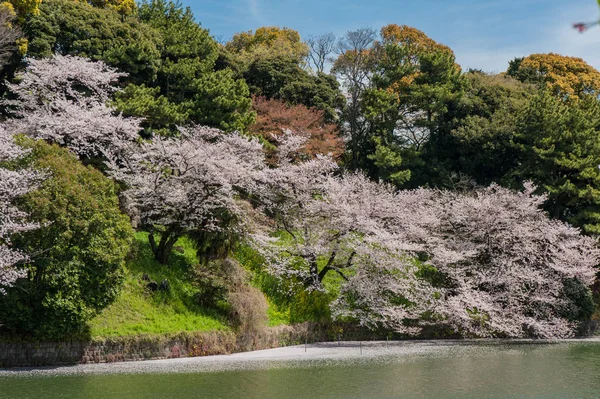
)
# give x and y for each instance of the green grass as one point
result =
(139, 311)
(277, 315)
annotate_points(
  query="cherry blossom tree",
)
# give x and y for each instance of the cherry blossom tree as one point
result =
(13, 184)
(507, 263)
(496, 264)
(63, 100)
(324, 222)
(182, 184)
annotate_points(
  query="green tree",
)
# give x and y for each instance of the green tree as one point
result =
(69, 27)
(78, 252)
(481, 145)
(560, 152)
(22, 8)
(268, 41)
(271, 61)
(414, 83)
(169, 57)
(282, 78)
(187, 88)
(123, 7)
(566, 77)
(352, 67)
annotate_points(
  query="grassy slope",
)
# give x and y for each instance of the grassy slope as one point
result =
(138, 311)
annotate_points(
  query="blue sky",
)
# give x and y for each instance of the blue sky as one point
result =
(484, 34)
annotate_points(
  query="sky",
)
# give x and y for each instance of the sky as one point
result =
(484, 34)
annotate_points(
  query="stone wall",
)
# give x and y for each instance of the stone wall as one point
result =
(153, 347)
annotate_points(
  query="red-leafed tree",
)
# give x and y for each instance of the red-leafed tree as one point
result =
(274, 117)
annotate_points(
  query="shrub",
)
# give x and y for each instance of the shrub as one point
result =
(78, 252)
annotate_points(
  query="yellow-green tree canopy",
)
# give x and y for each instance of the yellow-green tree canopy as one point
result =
(269, 41)
(22, 8)
(123, 7)
(566, 77)
(411, 38)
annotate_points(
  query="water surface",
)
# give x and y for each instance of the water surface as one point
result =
(399, 370)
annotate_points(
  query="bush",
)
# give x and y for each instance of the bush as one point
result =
(248, 309)
(78, 253)
(227, 283)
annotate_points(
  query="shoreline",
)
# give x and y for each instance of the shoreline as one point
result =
(297, 356)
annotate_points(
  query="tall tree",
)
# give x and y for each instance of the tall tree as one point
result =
(9, 33)
(63, 100)
(123, 7)
(67, 27)
(23, 8)
(560, 144)
(352, 67)
(187, 87)
(80, 248)
(187, 184)
(414, 82)
(481, 144)
(497, 266)
(321, 47)
(272, 62)
(267, 41)
(275, 117)
(566, 77)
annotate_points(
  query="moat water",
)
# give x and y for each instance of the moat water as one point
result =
(487, 369)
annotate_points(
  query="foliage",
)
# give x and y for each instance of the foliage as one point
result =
(23, 8)
(321, 219)
(123, 7)
(283, 78)
(352, 68)
(187, 87)
(566, 77)
(168, 57)
(267, 41)
(502, 268)
(9, 35)
(80, 248)
(247, 304)
(481, 142)
(275, 117)
(413, 82)
(561, 153)
(68, 27)
(62, 100)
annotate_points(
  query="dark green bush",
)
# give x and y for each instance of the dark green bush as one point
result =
(78, 253)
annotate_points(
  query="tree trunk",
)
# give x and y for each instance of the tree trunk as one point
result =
(163, 249)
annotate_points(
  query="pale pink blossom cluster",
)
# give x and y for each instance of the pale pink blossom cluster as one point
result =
(483, 263)
(13, 184)
(496, 266)
(181, 184)
(506, 262)
(63, 100)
